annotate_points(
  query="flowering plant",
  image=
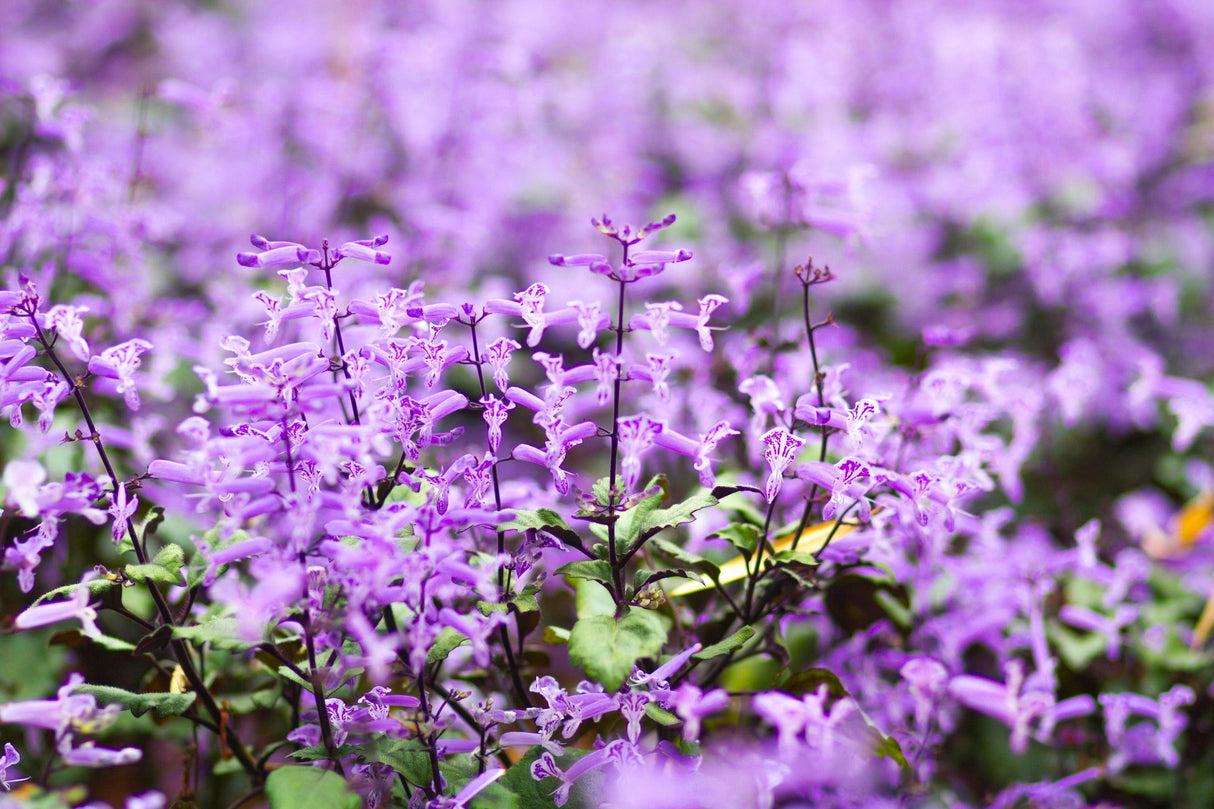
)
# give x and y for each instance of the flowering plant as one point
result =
(429, 521)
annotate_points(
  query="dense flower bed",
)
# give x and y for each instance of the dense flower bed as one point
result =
(857, 457)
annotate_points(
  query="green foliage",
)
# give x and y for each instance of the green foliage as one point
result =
(296, 787)
(727, 646)
(163, 704)
(607, 647)
(165, 567)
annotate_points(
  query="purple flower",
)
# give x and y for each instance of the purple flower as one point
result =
(1085, 618)
(692, 705)
(24, 480)
(926, 678)
(659, 319)
(804, 720)
(497, 357)
(364, 251)
(121, 509)
(121, 362)
(531, 309)
(637, 435)
(88, 754)
(11, 759)
(780, 450)
(473, 788)
(700, 451)
(75, 608)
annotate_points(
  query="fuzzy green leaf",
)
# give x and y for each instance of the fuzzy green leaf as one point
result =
(607, 648)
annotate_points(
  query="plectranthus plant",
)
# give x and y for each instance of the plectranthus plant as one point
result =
(452, 520)
(449, 567)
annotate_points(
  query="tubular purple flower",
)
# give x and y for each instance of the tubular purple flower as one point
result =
(780, 450)
(121, 511)
(531, 309)
(11, 759)
(1092, 621)
(497, 356)
(90, 755)
(692, 705)
(495, 414)
(77, 607)
(437, 313)
(606, 371)
(121, 362)
(637, 434)
(926, 678)
(288, 256)
(175, 472)
(363, 252)
(525, 398)
(590, 321)
(67, 323)
(443, 404)
(578, 260)
(24, 479)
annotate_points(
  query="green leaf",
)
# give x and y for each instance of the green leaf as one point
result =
(296, 787)
(742, 536)
(163, 704)
(796, 558)
(166, 567)
(546, 520)
(888, 747)
(96, 586)
(592, 599)
(448, 640)
(221, 633)
(592, 569)
(607, 648)
(730, 644)
(152, 522)
(407, 756)
(321, 753)
(632, 521)
(678, 514)
(556, 634)
(895, 609)
(662, 716)
(808, 680)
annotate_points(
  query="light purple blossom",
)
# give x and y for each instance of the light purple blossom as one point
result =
(780, 450)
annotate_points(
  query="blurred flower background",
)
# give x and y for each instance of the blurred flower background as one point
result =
(1016, 196)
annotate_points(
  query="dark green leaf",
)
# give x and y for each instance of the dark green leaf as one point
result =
(807, 682)
(796, 558)
(592, 569)
(730, 644)
(154, 641)
(742, 536)
(678, 514)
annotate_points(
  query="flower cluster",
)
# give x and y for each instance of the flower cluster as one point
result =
(425, 520)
